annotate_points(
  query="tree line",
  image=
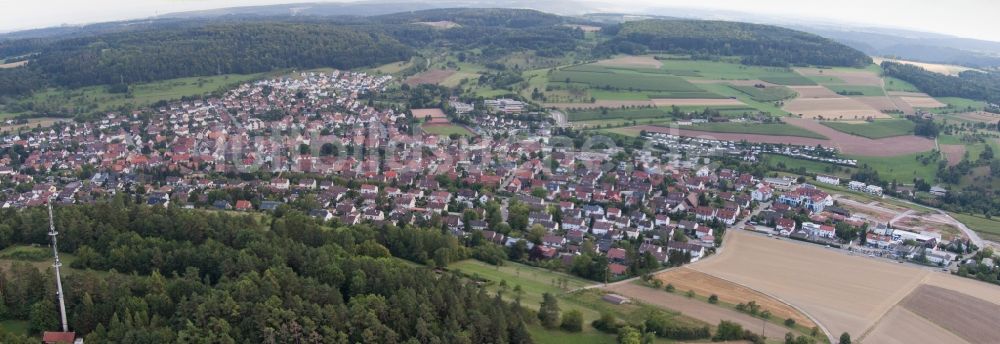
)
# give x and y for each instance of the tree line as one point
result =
(968, 84)
(165, 275)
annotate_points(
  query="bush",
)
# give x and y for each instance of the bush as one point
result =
(670, 287)
(713, 299)
(689, 294)
(572, 321)
(791, 322)
(765, 314)
(607, 323)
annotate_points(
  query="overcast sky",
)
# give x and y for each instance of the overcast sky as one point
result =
(964, 18)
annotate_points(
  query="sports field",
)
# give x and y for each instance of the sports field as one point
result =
(446, 129)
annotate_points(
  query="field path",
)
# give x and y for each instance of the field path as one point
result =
(697, 309)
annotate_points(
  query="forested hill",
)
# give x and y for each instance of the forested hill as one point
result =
(154, 275)
(158, 54)
(968, 84)
(756, 44)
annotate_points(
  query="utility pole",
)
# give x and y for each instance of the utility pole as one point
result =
(56, 265)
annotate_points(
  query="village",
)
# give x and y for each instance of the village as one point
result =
(315, 142)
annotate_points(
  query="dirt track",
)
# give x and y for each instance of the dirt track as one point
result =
(846, 143)
(697, 309)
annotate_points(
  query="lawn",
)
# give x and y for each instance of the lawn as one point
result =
(446, 129)
(875, 130)
(810, 166)
(14, 326)
(756, 128)
(768, 94)
(856, 90)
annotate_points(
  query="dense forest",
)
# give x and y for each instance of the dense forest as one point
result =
(968, 84)
(158, 54)
(154, 275)
(757, 44)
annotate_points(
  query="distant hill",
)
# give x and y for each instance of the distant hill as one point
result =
(757, 44)
(918, 46)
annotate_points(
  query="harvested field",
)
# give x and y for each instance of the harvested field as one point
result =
(696, 102)
(697, 309)
(632, 61)
(440, 24)
(433, 76)
(979, 116)
(842, 108)
(685, 279)
(901, 326)
(967, 316)
(923, 102)
(814, 92)
(599, 104)
(13, 64)
(850, 77)
(878, 102)
(953, 153)
(933, 67)
(845, 293)
(436, 115)
(980, 290)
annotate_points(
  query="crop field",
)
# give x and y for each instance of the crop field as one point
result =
(789, 80)
(923, 102)
(829, 108)
(848, 76)
(855, 90)
(632, 61)
(900, 326)
(628, 81)
(875, 130)
(815, 279)
(894, 84)
(814, 92)
(721, 70)
(766, 94)
(756, 128)
(957, 312)
(684, 279)
(433, 76)
(598, 114)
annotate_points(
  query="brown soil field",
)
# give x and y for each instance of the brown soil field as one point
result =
(433, 76)
(971, 287)
(923, 102)
(632, 61)
(815, 92)
(600, 103)
(953, 153)
(971, 318)
(685, 102)
(13, 64)
(841, 108)
(440, 24)
(685, 279)
(866, 211)
(694, 308)
(901, 326)
(860, 77)
(843, 292)
(878, 102)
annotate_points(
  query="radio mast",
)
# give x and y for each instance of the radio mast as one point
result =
(56, 265)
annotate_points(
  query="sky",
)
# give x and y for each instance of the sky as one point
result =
(963, 18)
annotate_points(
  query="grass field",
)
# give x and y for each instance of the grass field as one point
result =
(790, 80)
(901, 168)
(769, 94)
(732, 70)
(875, 130)
(856, 90)
(893, 84)
(988, 228)
(627, 114)
(14, 326)
(795, 164)
(958, 105)
(726, 90)
(781, 129)
(97, 98)
(625, 79)
(446, 129)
